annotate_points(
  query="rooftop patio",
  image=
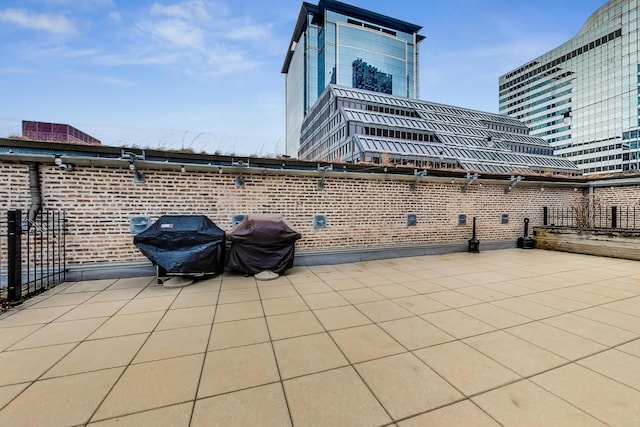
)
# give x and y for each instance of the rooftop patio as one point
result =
(508, 337)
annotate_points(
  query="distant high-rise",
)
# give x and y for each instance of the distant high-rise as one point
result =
(583, 97)
(335, 43)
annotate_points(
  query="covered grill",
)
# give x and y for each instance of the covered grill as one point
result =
(189, 245)
(262, 243)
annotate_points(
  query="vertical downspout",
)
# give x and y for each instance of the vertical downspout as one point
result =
(34, 191)
(590, 220)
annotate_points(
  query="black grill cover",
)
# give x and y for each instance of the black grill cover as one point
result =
(260, 243)
(184, 244)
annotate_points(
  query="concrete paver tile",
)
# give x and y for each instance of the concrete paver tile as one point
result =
(527, 308)
(237, 368)
(332, 398)
(89, 286)
(283, 305)
(494, 316)
(365, 343)
(263, 406)
(33, 316)
(405, 386)
(308, 354)
(620, 366)
(415, 332)
(60, 401)
(562, 343)
(27, 365)
(454, 299)
(155, 290)
(324, 300)
(457, 324)
(238, 311)
(8, 392)
(420, 304)
(423, 286)
(466, 368)
(612, 317)
(603, 398)
(521, 356)
(133, 282)
(60, 333)
(394, 290)
(174, 343)
(10, 336)
(312, 288)
(527, 405)
(238, 333)
(357, 296)
(144, 305)
(91, 310)
(65, 299)
(462, 413)
(632, 347)
(554, 301)
(152, 385)
(381, 311)
(185, 317)
(98, 354)
(238, 295)
(293, 325)
(280, 291)
(341, 317)
(115, 295)
(591, 329)
(128, 324)
(483, 293)
(190, 300)
(174, 416)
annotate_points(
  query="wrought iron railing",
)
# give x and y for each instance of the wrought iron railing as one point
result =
(32, 255)
(599, 216)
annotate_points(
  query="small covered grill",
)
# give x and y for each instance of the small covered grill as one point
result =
(262, 243)
(183, 245)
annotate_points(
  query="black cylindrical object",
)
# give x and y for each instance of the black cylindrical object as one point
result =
(527, 241)
(474, 244)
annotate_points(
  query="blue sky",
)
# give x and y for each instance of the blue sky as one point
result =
(205, 74)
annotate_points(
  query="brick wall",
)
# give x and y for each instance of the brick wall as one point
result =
(361, 212)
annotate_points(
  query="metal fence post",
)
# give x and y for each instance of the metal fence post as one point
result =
(545, 215)
(14, 256)
(614, 217)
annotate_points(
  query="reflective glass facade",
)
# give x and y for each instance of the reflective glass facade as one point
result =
(583, 96)
(334, 43)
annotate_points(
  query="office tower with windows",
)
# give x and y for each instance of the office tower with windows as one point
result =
(583, 96)
(335, 43)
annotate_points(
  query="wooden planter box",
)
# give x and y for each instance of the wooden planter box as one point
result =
(601, 242)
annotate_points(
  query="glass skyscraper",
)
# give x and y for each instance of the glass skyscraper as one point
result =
(335, 43)
(583, 97)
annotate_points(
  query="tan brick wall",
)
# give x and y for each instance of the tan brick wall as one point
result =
(361, 212)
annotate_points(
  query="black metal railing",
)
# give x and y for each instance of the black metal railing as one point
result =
(34, 255)
(599, 216)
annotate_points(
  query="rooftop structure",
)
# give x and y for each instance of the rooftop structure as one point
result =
(582, 97)
(355, 125)
(335, 43)
(56, 132)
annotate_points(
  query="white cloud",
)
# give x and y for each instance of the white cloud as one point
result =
(249, 32)
(176, 32)
(189, 10)
(56, 24)
(115, 16)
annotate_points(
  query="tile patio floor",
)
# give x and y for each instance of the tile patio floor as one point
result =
(510, 337)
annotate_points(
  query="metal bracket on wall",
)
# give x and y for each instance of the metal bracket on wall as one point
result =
(470, 180)
(513, 181)
(418, 174)
(324, 170)
(138, 177)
